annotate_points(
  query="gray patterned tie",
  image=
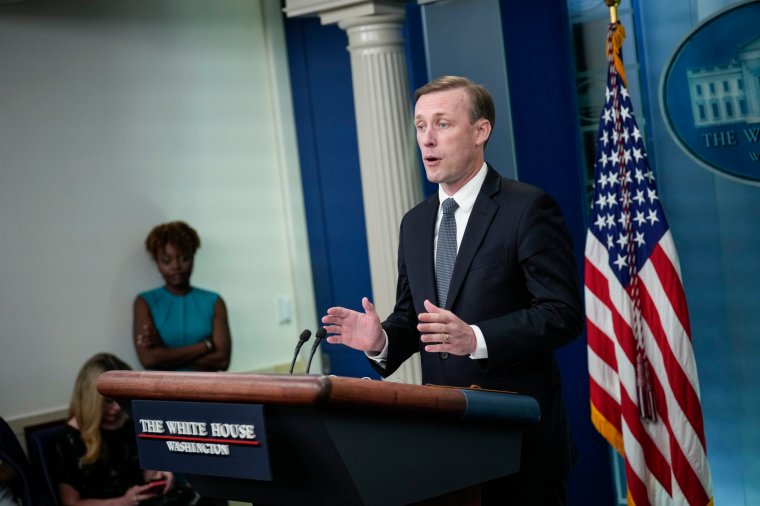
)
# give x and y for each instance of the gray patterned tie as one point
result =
(446, 251)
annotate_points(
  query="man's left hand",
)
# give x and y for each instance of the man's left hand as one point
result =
(445, 331)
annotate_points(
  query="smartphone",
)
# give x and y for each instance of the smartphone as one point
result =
(156, 486)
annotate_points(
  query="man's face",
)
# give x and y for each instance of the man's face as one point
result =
(451, 146)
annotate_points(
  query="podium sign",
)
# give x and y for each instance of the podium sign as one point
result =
(202, 438)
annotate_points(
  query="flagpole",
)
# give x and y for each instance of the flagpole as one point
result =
(613, 5)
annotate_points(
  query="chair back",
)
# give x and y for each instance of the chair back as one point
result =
(40, 446)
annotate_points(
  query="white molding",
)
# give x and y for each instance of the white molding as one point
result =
(334, 11)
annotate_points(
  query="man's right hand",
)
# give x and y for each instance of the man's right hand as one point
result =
(360, 331)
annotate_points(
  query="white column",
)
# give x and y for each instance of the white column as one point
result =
(387, 151)
(390, 173)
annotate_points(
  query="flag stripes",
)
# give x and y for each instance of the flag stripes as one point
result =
(607, 303)
(605, 320)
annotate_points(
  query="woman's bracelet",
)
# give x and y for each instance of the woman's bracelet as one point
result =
(209, 344)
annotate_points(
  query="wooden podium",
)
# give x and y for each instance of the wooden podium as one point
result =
(328, 440)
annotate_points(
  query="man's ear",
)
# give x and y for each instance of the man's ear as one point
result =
(483, 131)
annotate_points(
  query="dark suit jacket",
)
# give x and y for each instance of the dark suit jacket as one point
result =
(515, 278)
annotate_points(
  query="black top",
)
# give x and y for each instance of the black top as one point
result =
(116, 470)
(111, 475)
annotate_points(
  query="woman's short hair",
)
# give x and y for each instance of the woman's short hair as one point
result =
(481, 101)
(177, 233)
(87, 404)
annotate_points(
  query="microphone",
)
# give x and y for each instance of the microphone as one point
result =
(321, 333)
(305, 335)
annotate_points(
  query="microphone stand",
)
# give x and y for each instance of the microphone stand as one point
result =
(305, 335)
(321, 333)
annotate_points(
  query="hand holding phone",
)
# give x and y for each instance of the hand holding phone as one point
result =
(156, 486)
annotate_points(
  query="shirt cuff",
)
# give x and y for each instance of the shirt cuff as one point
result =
(481, 351)
(381, 357)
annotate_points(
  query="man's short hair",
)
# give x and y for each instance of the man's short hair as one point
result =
(481, 102)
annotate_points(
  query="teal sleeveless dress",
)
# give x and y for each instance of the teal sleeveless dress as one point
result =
(181, 319)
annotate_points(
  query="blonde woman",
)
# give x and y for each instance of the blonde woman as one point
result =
(97, 462)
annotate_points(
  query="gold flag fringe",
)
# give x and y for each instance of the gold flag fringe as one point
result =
(607, 430)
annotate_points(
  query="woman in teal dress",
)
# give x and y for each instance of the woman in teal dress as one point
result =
(178, 326)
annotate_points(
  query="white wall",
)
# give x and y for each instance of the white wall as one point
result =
(119, 115)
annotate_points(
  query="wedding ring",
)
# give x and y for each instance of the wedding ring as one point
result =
(445, 339)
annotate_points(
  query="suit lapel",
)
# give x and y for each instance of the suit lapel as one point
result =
(480, 220)
(423, 259)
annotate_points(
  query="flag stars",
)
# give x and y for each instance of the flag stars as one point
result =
(604, 160)
(622, 240)
(600, 222)
(605, 138)
(610, 242)
(639, 219)
(624, 219)
(624, 177)
(602, 202)
(625, 112)
(652, 217)
(627, 156)
(607, 94)
(639, 239)
(636, 133)
(607, 115)
(637, 155)
(650, 175)
(621, 262)
(652, 195)
(639, 198)
(610, 220)
(611, 200)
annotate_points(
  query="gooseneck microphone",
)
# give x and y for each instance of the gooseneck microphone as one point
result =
(321, 333)
(305, 335)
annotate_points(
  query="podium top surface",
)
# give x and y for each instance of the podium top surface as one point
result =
(329, 392)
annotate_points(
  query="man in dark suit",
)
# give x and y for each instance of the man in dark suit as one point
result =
(487, 286)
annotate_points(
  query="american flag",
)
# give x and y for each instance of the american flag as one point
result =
(644, 387)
